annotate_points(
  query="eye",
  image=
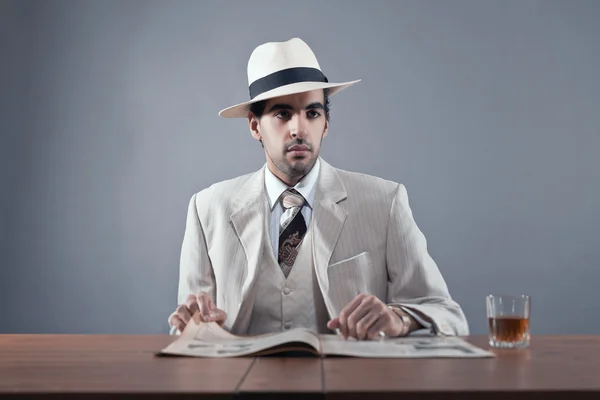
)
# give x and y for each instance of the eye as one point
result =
(282, 114)
(313, 114)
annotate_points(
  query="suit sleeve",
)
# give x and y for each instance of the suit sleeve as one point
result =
(415, 282)
(195, 269)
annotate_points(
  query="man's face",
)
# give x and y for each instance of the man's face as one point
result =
(291, 129)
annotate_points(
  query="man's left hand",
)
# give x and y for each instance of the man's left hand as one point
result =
(365, 317)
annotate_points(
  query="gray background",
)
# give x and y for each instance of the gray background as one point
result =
(488, 111)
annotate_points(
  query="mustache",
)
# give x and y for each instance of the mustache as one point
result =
(298, 142)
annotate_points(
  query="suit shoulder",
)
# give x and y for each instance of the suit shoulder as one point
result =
(354, 181)
(221, 192)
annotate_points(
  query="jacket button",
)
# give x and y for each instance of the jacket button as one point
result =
(287, 290)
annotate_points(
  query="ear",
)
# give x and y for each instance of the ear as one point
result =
(254, 126)
(326, 129)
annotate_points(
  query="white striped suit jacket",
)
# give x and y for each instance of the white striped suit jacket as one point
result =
(365, 240)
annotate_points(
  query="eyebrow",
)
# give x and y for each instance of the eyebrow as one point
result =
(316, 104)
(311, 106)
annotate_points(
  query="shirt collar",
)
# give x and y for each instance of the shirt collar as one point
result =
(275, 187)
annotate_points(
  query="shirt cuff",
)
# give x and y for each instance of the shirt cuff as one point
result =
(421, 332)
(427, 326)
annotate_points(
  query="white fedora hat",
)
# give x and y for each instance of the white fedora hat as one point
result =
(281, 68)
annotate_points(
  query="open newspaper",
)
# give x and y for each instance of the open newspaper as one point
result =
(201, 339)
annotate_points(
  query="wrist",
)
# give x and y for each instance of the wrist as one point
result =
(406, 322)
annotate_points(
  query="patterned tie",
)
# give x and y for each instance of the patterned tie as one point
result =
(291, 230)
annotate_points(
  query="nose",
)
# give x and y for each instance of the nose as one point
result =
(297, 127)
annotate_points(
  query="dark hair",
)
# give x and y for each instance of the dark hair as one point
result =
(258, 108)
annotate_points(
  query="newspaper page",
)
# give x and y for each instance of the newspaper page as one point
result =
(210, 340)
(407, 347)
(200, 339)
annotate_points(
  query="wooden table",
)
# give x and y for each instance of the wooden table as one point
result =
(120, 366)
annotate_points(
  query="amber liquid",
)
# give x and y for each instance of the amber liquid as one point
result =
(509, 329)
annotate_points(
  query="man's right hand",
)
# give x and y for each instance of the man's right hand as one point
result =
(201, 302)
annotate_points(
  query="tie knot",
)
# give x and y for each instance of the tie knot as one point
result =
(291, 198)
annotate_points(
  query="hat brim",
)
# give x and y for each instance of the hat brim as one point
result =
(241, 110)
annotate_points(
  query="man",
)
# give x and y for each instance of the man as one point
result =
(300, 243)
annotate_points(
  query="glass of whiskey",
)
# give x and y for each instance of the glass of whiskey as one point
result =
(508, 321)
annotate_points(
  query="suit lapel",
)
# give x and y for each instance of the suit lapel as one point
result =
(328, 220)
(248, 220)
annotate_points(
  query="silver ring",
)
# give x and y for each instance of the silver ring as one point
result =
(381, 334)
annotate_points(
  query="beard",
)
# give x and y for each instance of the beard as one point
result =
(297, 166)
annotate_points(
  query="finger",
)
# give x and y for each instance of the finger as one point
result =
(334, 324)
(345, 313)
(211, 305)
(183, 312)
(192, 303)
(363, 326)
(218, 315)
(364, 308)
(203, 306)
(176, 321)
(379, 326)
(354, 318)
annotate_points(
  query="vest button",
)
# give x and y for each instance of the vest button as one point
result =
(287, 325)
(287, 290)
